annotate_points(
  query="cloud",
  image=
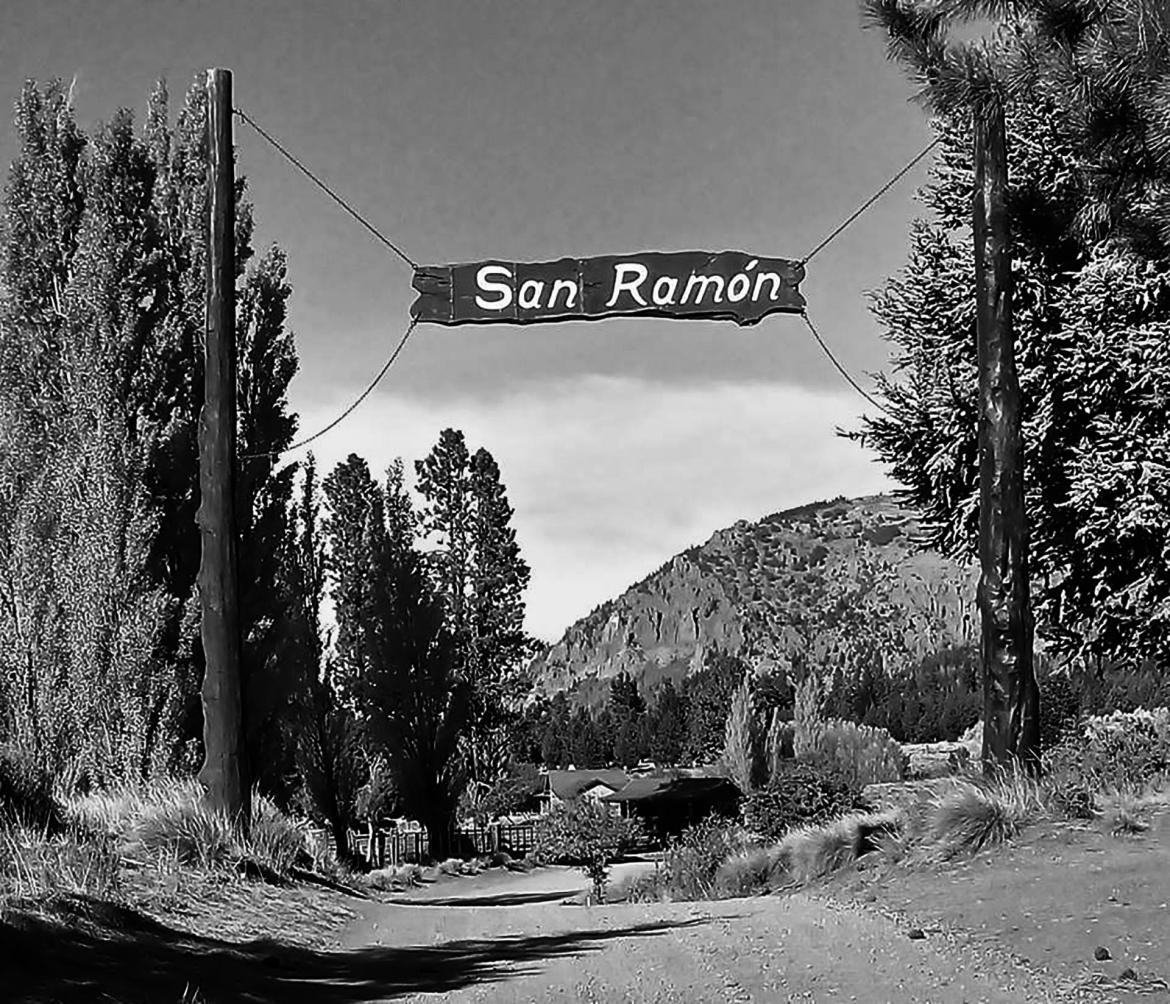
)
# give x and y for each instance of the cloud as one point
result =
(611, 476)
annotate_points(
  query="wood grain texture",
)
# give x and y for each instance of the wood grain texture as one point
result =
(1011, 698)
(726, 285)
(224, 773)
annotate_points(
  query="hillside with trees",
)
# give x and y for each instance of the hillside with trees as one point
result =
(841, 585)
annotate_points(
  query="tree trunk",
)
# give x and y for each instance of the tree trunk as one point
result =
(341, 841)
(224, 774)
(438, 839)
(1011, 700)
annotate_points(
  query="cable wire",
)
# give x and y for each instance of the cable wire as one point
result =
(326, 189)
(348, 411)
(870, 201)
(841, 369)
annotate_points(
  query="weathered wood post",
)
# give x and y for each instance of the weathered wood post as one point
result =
(1011, 701)
(224, 774)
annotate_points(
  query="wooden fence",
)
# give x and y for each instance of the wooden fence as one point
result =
(395, 847)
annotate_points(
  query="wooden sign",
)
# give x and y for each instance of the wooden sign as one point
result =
(729, 285)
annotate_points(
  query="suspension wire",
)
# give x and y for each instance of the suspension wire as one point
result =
(870, 201)
(348, 411)
(841, 369)
(325, 188)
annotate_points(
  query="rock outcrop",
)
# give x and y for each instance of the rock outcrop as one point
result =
(842, 582)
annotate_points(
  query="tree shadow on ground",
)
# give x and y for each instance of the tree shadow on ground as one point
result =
(498, 899)
(113, 954)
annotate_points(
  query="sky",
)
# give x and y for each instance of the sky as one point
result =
(530, 130)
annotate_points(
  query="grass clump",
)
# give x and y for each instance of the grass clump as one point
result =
(812, 852)
(976, 813)
(170, 819)
(394, 878)
(26, 794)
(177, 821)
(35, 864)
(752, 871)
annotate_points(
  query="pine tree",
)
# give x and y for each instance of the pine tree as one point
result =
(498, 648)
(667, 725)
(481, 578)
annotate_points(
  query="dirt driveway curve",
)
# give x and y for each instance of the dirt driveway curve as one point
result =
(509, 938)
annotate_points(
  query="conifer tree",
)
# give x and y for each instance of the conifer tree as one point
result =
(481, 577)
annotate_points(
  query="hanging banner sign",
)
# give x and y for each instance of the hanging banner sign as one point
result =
(729, 286)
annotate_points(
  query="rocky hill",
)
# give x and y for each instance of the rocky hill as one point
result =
(839, 583)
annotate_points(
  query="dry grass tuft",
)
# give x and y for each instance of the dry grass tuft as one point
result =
(813, 852)
(35, 864)
(752, 871)
(393, 878)
(977, 813)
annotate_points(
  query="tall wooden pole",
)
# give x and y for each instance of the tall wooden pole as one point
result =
(1011, 701)
(224, 774)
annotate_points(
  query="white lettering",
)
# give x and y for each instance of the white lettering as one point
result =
(569, 286)
(702, 281)
(666, 296)
(483, 279)
(530, 293)
(739, 282)
(776, 284)
(622, 285)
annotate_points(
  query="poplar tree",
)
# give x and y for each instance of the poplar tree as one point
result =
(329, 751)
(101, 317)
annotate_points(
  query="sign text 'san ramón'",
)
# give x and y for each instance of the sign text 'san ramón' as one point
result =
(729, 285)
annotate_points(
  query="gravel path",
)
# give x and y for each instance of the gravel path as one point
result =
(509, 938)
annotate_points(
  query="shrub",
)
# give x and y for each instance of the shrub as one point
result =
(1120, 752)
(586, 834)
(690, 863)
(1060, 708)
(26, 794)
(861, 753)
(800, 793)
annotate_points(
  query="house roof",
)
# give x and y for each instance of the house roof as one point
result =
(569, 784)
(667, 788)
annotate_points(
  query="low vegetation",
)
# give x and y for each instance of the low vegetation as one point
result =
(809, 822)
(588, 835)
(88, 844)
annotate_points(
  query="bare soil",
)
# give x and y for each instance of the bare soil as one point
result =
(516, 941)
(1054, 898)
(1019, 924)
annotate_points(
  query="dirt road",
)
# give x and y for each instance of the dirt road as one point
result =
(509, 938)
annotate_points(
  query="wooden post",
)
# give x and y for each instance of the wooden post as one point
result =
(1011, 701)
(224, 774)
